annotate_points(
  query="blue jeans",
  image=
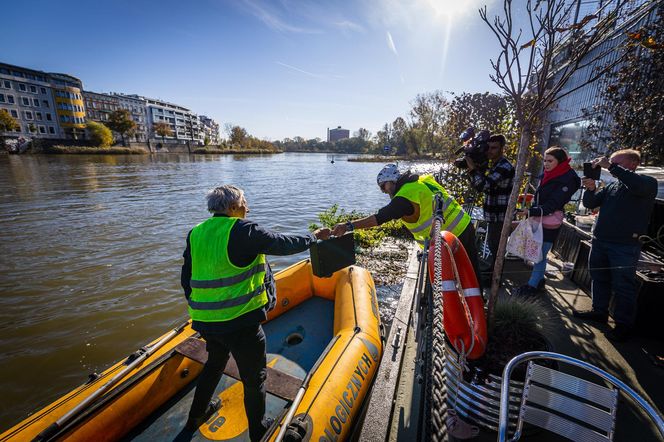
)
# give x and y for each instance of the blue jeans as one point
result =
(539, 268)
(613, 266)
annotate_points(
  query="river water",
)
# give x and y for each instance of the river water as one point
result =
(92, 246)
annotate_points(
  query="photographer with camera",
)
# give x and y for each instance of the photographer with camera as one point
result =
(625, 208)
(495, 181)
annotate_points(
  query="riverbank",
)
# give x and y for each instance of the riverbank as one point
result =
(120, 150)
(391, 158)
(216, 151)
(387, 263)
(79, 150)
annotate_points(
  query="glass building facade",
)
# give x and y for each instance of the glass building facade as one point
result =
(566, 121)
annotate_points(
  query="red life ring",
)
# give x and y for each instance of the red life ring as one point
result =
(456, 323)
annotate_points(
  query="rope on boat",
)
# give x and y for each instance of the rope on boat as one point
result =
(435, 394)
(132, 362)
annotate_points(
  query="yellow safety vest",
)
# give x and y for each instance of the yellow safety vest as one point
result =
(421, 193)
(220, 291)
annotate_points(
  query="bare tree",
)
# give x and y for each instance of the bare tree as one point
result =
(534, 66)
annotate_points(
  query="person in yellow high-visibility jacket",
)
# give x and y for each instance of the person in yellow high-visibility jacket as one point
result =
(412, 199)
(229, 288)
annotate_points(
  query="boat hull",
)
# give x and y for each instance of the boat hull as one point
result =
(323, 330)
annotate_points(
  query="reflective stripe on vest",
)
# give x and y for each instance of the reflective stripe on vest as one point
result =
(422, 193)
(220, 291)
(233, 302)
(225, 282)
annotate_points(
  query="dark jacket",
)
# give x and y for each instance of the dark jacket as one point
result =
(246, 240)
(552, 196)
(625, 206)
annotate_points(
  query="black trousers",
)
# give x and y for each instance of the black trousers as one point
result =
(247, 345)
(493, 238)
(467, 238)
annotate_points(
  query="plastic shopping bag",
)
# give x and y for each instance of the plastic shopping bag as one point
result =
(526, 240)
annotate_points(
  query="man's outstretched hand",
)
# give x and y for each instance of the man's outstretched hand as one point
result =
(323, 233)
(339, 229)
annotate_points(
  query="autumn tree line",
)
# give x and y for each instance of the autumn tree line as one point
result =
(430, 129)
(629, 114)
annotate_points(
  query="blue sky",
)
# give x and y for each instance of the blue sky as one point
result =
(278, 68)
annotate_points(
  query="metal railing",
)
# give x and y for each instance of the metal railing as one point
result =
(621, 386)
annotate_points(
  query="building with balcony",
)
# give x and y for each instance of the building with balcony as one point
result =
(566, 122)
(138, 110)
(337, 134)
(69, 104)
(98, 106)
(184, 124)
(27, 95)
(209, 129)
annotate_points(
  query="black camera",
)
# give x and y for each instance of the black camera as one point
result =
(475, 146)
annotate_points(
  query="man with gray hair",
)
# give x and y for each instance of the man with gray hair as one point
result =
(229, 287)
(625, 208)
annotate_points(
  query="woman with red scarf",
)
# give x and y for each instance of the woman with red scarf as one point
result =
(556, 188)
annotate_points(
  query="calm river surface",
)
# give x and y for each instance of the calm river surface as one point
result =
(92, 246)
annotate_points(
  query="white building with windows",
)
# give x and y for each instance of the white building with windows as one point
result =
(209, 129)
(27, 96)
(184, 124)
(54, 105)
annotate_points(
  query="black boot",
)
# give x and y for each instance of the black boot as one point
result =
(620, 333)
(194, 422)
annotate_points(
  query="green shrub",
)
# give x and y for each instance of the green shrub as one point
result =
(365, 238)
(519, 325)
(100, 135)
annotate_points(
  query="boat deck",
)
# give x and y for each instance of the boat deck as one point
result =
(398, 380)
(311, 323)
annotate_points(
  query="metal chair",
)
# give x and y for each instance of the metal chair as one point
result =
(566, 405)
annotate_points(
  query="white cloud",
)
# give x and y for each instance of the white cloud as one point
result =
(302, 71)
(390, 44)
(272, 18)
(346, 25)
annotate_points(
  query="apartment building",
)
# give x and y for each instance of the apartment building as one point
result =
(69, 106)
(27, 95)
(184, 124)
(54, 105)
(209, 129)
(98, 106)
(337, 134)
(138, 110)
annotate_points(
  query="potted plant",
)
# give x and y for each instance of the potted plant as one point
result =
(518, 325)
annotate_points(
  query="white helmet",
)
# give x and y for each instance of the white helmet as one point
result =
(388, 173)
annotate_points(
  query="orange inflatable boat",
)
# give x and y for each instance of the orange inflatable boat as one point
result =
(324, 345)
